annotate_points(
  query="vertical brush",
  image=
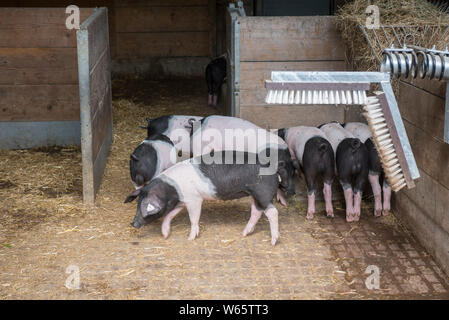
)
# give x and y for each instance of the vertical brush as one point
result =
(386, 142)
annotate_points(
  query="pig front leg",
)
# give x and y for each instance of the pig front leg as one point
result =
(327, 191)
(194, 209)
(167, 220)
(349, 198)
(281, 198)
(272, 214)
(387, 198)
(255, 216)
(375, 186)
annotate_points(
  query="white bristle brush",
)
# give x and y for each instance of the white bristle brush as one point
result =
(383, 142)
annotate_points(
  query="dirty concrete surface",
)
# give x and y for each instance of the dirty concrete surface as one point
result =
(44, 229)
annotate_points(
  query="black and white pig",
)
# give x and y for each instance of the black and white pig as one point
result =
(351, 157)
(309, 145)
(230, 133)
(190, 182)
(362, 131)
(150, 158)
(215, 76)
(176, 127)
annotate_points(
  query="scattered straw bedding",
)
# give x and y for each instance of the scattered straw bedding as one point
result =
(422, 21)
(46, 184)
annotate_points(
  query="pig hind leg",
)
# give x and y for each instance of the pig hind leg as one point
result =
(349, 200)
(387, 197)
(263, 194)
(328, 177)
(255, 216)
(377, 192)
(209, 81)
(194, 209)
(310, 176)
(375, 167)
(359, 185)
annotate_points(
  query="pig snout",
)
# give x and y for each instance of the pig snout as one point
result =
(137, 222)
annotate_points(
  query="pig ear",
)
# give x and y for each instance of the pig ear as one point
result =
(150, 208)
(132, 195)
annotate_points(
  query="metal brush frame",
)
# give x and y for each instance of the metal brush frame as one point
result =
(400, 35)
(355, 78)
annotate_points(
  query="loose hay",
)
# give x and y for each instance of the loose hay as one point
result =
(45, 184)
(424, 23)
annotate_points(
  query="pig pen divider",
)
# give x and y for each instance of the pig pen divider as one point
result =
(94, 67)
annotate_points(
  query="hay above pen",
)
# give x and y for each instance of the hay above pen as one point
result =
(418, 21)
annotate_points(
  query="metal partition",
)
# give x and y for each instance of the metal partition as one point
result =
(94, 68)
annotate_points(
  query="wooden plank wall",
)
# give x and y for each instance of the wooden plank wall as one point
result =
(38, 65)
(94, 62)
(153, 37)
(425, 209)
(164, 37)
(286, 43)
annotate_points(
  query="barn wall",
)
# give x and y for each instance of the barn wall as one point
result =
(38, 78)
(292, 44)
(425, 209)
(156, 38)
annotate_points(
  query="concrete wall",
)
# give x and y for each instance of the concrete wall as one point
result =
(425, 209)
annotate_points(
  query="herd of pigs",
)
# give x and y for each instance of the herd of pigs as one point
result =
(188, 159)
(172, 168)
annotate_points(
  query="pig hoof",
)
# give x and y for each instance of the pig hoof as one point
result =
(274, 240)
(330, 214)
(349, 217)
(165, 231)
(247, 231)
(192, 235)
(309, 215)
(194, 232)
(377, 212)
(385, 212)
(282, 201)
